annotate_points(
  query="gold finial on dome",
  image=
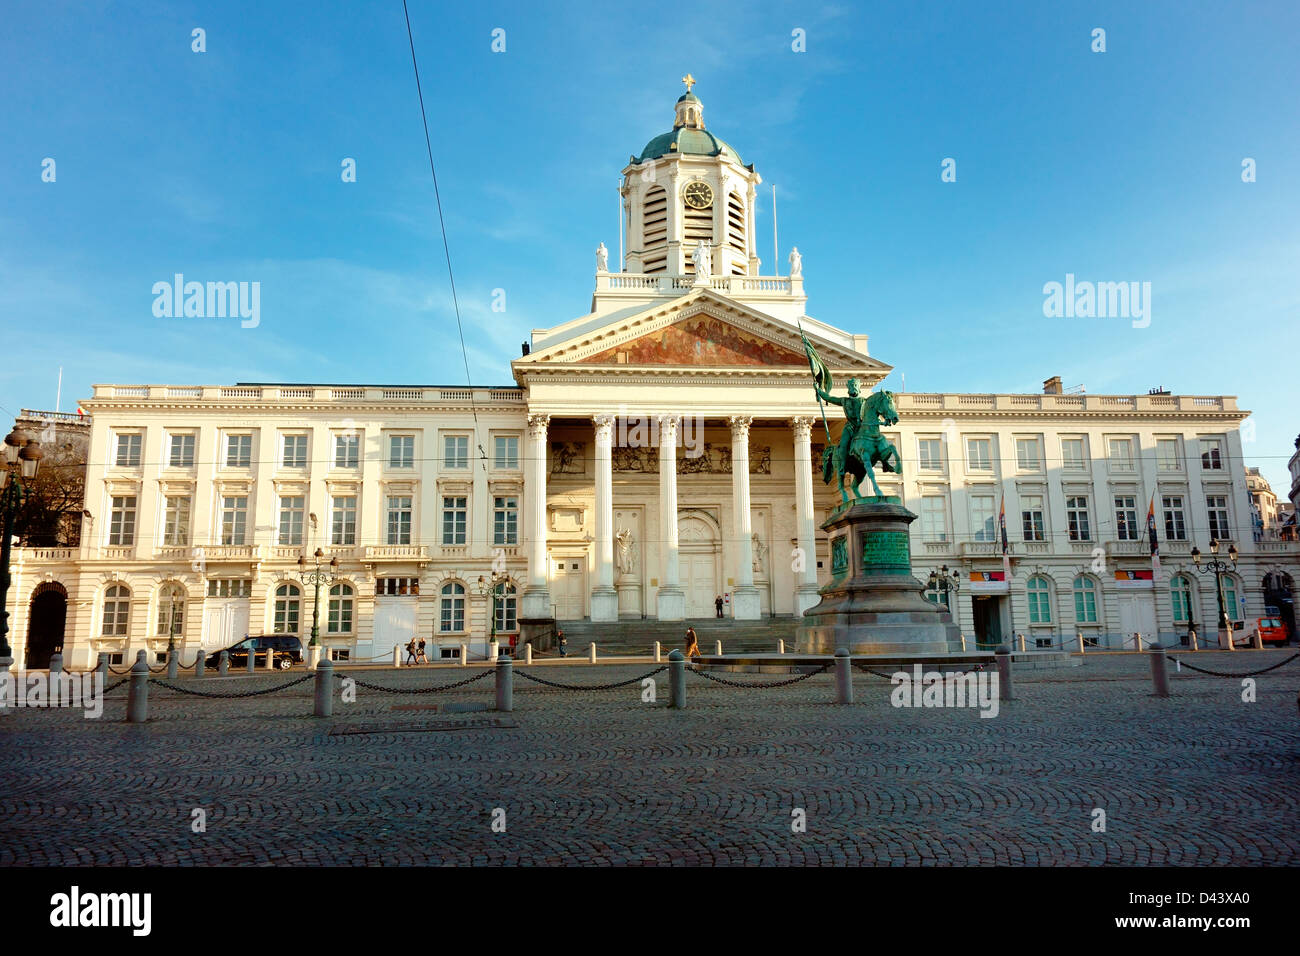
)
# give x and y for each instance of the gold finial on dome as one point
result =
(689, 81)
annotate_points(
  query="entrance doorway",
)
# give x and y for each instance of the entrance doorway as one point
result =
(46, 620)
(1137, 615)
(569, 587)
(987, 611)
(697, 557)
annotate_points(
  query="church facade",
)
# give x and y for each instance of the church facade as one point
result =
(656, 454)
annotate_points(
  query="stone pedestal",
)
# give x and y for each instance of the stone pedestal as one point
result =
(604, 604)
(670, 604)
(629, 598)
(746, 605)
(873, 605)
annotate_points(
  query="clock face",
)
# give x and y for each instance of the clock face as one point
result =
(698, 195)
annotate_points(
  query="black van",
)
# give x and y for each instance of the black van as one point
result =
(286, 648)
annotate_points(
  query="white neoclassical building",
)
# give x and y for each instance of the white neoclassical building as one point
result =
(655, 454)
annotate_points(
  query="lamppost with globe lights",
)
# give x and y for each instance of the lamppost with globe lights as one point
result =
(943, 582)
(22, 458)
(1218, 569)
(488, 586)
(317, 576)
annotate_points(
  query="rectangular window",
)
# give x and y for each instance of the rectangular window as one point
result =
(979, 454)
(239, 451)
(234, 519)
(1175, 521)
(1167, 456)
(1217, 506)
(1085, 604)
(1029, 454)
(347, 451)
(180, 452)
(399, 519)
(934, 518)
(929, 453)
(230, 587)
(1076, 518)
(983, 520)
(292, 510)
(455, 451)
(1121, 455)
(1212, 454)
(453, 519)
(339, 618)
(128, 451)
(1031, 518)
(401, 451)
(121, 522)
(1126, 522)
(343, 520)
(1073, 455)
(293, 453)
(505, 521)
(397, 587)
(176, 521)
(506, 451)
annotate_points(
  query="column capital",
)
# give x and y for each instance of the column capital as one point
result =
(604, 427)
(668, 429)
(802, 428)
(740, 426)
(537, 425)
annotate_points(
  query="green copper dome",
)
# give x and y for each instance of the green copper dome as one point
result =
(691, 142)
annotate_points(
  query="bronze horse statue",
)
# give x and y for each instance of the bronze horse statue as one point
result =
(862, 446)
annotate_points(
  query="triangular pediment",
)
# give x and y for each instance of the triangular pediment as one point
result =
(703, 330)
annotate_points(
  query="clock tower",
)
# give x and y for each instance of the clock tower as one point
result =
(689, 187)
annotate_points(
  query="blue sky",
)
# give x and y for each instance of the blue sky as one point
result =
(225, 165)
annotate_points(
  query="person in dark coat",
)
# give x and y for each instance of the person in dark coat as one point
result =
(717, 603)
(692, 644)
(563, 643)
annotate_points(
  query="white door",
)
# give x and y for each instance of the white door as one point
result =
(1137, 615)
(225, 623)
(701, 585)
(394, 624)
(569, 588)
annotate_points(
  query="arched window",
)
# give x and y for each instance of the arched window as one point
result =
(1180, 598)
(288, 604)
(452, 608)
(171, 609)
(507, 618)
(340, 610)
(1085, 600)
(117, 610)
(1040, 600)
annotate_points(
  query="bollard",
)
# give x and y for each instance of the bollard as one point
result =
(528, 653)
(1137, 641)
(270, 659)
(963, 643)
(658, 651)
(1079, 637)
(314, 655)
(505, 684)
(137, 701)
(251, 664)
(1259, 640)
(173, 663)
(223, 664)
(464, 654)
(1191, 634)
(397, 655)
(591, 653)
(325, 688)
(200, 663)
(717, 648)
(1003, 656)
(780, 645)
(1159, 671)
(56, 663)
(677, 680)
(1022, 642)
(843, 676)
(1227, 641)
(102, 666)
(6, 687)
(494, 650)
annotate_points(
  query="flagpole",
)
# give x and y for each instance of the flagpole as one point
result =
(813, 372)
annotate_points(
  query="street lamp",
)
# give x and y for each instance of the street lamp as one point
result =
(22, 458)
(944, 581)
(1218, 569)
(317, 576)
(488, 586)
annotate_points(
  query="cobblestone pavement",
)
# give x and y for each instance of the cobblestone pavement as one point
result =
(598, 777)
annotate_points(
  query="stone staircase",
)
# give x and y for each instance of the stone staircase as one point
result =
(638, 637)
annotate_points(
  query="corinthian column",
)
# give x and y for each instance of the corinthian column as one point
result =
(536, 599)
(745, 605)
(805, 564)
(604, 599)
(670, 602)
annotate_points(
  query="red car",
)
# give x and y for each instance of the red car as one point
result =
(1271, 630)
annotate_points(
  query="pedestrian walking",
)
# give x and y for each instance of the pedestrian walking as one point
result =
(717, 603)
(692, 645)
(563, 643)
(410, 652)
(420, 657)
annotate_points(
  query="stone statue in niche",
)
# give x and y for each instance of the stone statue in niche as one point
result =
(567, 457)
(625, 557)
(760, 553)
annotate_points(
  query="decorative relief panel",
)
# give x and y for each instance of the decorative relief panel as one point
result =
(699, 340)
(568, 458)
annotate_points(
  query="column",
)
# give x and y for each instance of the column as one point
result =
(536, 599)
(604, 599)
(670, 602)
(805, 595)
(745, 605)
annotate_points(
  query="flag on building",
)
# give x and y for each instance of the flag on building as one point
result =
(1002, 528)
(1151, 534)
